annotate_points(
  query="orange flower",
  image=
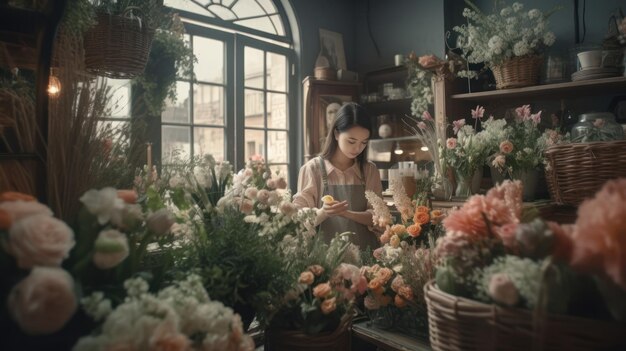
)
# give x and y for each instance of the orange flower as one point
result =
(128, 195)
(414, 230)
(436, 216)
(399, 301)
(421, 218)
(398, 229)
(422, 209)
(375, 284)
(328, 305)
(322, 290)
(16, 196)
(5, 220)
(384, 274)
(306, 278)
(406, 292)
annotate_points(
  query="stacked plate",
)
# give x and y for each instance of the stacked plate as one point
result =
(596, 72)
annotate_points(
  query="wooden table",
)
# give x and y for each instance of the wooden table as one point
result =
(388, 340)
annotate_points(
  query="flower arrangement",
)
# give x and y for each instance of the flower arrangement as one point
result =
(179, 317)
(508, 32)
(492, 253)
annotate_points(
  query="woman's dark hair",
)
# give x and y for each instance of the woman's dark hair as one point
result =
(348, 116)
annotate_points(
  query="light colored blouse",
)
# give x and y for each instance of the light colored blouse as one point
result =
(310, 181)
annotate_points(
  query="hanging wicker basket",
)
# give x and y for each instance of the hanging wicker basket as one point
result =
(458, 323)
(517, 72)
(118, 45)
(577, 171)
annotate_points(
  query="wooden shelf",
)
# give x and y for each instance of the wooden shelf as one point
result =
(558, 90)
(388, 340)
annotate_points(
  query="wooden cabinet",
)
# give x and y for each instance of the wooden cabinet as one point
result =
(321, 99)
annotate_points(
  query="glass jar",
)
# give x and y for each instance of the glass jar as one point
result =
(597, 126)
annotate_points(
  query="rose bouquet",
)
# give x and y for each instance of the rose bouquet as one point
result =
(179, 317)
(507, 33)
(493, 254)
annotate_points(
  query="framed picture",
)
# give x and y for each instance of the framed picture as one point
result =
(331, 47)
(322, 100)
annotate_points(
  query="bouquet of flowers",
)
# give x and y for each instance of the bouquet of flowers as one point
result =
(494, 254)
(179, 317)
(508, 32)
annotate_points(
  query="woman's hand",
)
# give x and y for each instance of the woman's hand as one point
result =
(335, 208)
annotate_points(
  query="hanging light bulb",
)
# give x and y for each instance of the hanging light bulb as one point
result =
(54, 85)
(398, 150)
(424, 148)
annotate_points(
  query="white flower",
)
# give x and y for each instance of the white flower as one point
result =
(549, 38)
(517, 6)
(102, 203)
(534, 13)
(110, 249)
(521, 48)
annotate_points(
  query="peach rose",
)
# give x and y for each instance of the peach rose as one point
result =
(128, 195)
(160, 221)
(375, 284)
(421, 218)
(43, 301)
(502, 290)
(306, 278)
(40, 240)
(271, 183)
(246, 206)
(398, 229)
(322, 290)
(507, 234)
(263, 196)
(316, 269)
(110, 249)
(397, 283)
(406, 292)
(329, 305)
(436, 216)
(384, 274)
(429, 61)
(16, 196)
(414, 230)
(506, 147)
(20, 209)
(424, 209)
(399, 301)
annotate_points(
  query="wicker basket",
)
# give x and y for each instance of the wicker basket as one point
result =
(292, 340)
(517, 72)
(117, 46)
(577, 171)
(457, 323)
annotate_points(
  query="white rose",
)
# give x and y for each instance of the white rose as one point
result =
(102, 203)
(44, 301)
(40, 240)
(110, 249)
(160, 221)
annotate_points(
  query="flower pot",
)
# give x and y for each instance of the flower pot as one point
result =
(294, 340)
(517, 72)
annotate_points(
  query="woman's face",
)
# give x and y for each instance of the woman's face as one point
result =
(353, 141)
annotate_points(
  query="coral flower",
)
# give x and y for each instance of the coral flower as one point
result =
(421, 218)
(15, 196)
(414, 230)
(422, 209)
(506, 147)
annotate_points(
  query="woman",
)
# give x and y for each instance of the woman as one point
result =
(342, 171)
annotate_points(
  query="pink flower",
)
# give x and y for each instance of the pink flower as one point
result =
(288, 208)
(322, 290)
(499, 161)
(43, 301)
(271, 183)
(507, 234)
(479, 112)
(397, 283)
(160, 221)
(281, 183)
(536, 118)
(421, 125)
(378, 253)
(502, 290)
(599, 243)
(429, 61)
(110, 249)
(599, 123)
(426, 116)
(451, 143)
(457, 125)
(263, 196)
(522, 112)
(251, 192)
(40, 240)
(506, 147)
(246, 206)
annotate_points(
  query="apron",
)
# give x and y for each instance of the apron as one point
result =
(355, 195)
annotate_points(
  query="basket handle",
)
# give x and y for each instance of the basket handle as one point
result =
(129, 10)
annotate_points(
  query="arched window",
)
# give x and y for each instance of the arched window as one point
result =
(243, 99)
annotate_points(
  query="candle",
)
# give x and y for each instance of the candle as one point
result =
(149, 156)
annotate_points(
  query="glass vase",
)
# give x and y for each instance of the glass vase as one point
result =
(463, 185)
(441, 188)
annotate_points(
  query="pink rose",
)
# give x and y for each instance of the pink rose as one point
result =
(329, 305)
(20, 209)
(288, 208)
(263, 196)
(281, 183)
(251, 192)
(502, 290)
(160, 221)
(306, 277)
(44, 301)
(271, 183)
(246, 206)
(451, 143)
(506, 147)
(40, 240)
(110, 249)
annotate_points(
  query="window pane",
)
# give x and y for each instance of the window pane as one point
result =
(277, 147)
(253, 68)
(277, 111)
(178, 111)
(254, 144)
(253, 105)
(276, 72)
(210, 55)
(175, 141)
(118, 105)
(116, 131)
(181, 73)
(208, 104)
(209, 141)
